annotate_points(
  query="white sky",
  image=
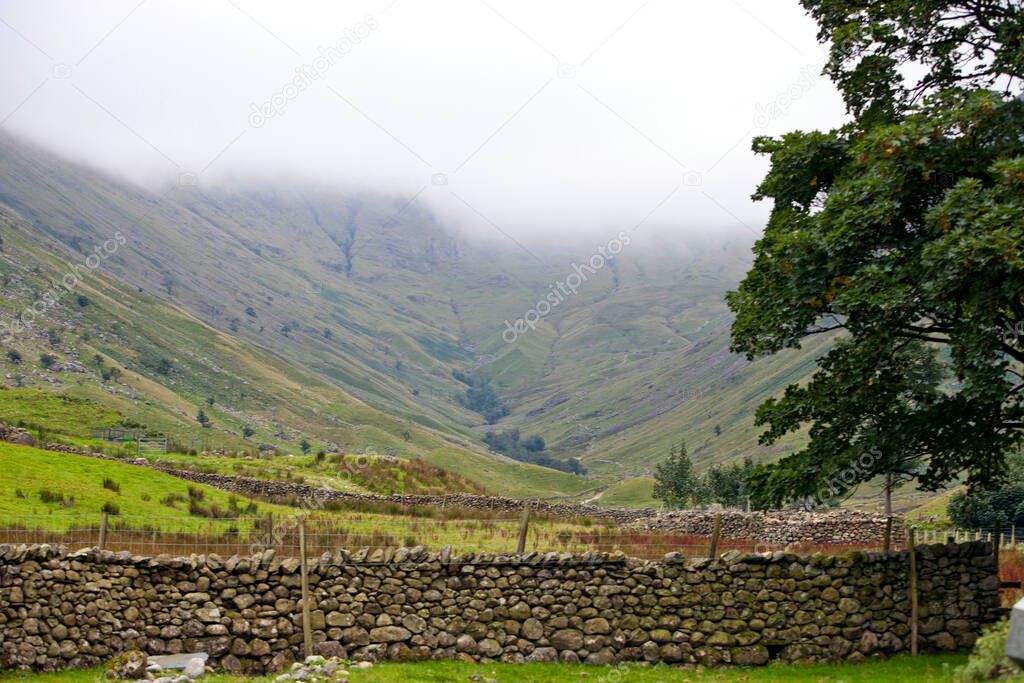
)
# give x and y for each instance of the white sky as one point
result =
(544, 116)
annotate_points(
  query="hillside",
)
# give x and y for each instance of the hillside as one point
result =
(343, 318)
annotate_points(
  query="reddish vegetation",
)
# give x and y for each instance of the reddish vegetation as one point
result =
(1011, 568)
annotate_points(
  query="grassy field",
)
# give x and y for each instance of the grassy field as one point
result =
(51, 487)
(50, 495)
(923, 669)
(630, 493)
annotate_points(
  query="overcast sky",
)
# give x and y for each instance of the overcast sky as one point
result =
(531, 116)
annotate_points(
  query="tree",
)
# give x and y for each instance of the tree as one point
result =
(674, 481)
(248, 431)
(305, 446)
(202, 419)
(898, 237)
(531, 450)
(727, 485)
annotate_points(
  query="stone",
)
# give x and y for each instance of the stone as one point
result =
(543, 654)
(488, 647)
(532, 629)
(466, 643)
(567, 639)
(129, 666)
(849, 605)
(389, 634)
(195, 668)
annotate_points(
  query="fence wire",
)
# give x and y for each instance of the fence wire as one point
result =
(182, 536)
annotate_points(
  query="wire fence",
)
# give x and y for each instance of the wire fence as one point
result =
(181, 536)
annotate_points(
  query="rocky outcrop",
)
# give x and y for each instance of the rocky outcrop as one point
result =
(60, 609)
(16, 435)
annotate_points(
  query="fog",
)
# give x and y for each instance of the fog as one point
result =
(532, 119)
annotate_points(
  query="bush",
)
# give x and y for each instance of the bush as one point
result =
(111, 509)
(988, 660)
(48, 496)
(171, 500)
(47, 360)
(987, 509)
(111, 485)
(196, 494)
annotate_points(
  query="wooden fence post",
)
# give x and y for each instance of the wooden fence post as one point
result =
(103, 531)
(269, 531)
(523, 526)
(995, 547)
(911, 546)
(715, 532)
(888, 534)
(307, 629)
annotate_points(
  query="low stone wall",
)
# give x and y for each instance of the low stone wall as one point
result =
(778, 527)
(62, 610)
(775, 528)
(260, 488)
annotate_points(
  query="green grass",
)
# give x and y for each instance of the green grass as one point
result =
(637, 492)
(505, 477)
(29, 470)
(55, 413)
(25, 473)
(923, 669)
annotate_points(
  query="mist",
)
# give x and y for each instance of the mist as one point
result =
(529, 121)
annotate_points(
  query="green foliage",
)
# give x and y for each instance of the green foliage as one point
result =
(987, 509)
(305, 446)
(531, 450)
(47, 360)
(248, 431)
(481, 398)
(727, 485)
(202, 418)
(887, 54)
(14, 356)
(111, 485)
(988, 659)
(900, 232)
(675, 483)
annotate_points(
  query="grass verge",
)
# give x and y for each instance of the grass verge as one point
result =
(923, 669)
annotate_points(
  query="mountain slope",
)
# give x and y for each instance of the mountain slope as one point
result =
(369, 298)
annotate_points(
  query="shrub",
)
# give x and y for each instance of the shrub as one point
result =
(47, 360)
(171, 500)
(988, 659)
(111, 485)
(196, 494)
(14, 356)
(48, 496)
(111, 509)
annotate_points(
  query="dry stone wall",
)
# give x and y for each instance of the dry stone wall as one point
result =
(60, 609)
(260, 488)
(778, 527)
